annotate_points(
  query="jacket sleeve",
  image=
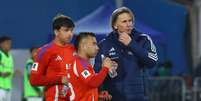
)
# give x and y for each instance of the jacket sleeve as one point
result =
(98, 60)
(38, 76)
(89, 78)
(147, 53)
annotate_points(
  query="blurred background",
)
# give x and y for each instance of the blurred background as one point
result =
(174, 26)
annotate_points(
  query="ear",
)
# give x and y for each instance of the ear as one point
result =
(55, 32)
(115, 26)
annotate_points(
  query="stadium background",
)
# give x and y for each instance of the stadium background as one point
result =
(174, 26)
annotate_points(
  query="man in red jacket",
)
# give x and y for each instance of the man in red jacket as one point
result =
(83, 81)
(52, 60)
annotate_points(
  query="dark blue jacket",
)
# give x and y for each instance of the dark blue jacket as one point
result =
(131, 59)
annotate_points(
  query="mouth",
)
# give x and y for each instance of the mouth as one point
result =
(129, 30)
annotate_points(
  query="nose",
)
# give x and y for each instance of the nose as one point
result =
(71, 33)
(130, 24)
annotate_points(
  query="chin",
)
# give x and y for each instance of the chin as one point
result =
(68, 41)
(92, 56)
(129, 32)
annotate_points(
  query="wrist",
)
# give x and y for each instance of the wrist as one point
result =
(64, 80)
(105, 68)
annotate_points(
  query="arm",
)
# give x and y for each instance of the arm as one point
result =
(9, 70)
(38, 76)
(98, 61)
(98, 65)
(95, 80)
(147, 54)
(90, 78)
(28, 68)
(1, 74)
(0, 59)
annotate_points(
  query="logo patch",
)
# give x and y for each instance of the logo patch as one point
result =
(112, 49)
(130, 53)
(74, 53)
(67, 66)
(58, 58)
(34, 66)
(86, 74)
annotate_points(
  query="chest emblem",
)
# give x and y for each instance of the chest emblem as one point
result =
(58, 58)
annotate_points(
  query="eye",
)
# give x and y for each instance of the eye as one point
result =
(66, 30)
(124, 21)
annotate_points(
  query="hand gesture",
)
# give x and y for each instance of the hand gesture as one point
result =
(124, 38)
(105, 96)
(64, 80)
(107, 62)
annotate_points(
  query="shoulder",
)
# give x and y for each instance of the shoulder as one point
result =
(146, 36)
(0, 55)
(142, 37)
(44, 50)
(46, 47)
(30, 60)
(103, 41)
(147, 39)
(1, 52)
(107, 40)
(104, 45)
(82, 63)
(71, 47)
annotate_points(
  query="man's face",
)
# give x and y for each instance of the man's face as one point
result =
(6, 45)
(124, 23)
(64, 34)
(91, 47)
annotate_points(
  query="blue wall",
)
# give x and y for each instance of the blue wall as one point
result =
(169, 18)
(28, 22)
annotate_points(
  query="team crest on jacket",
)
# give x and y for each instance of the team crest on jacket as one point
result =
(86, 74)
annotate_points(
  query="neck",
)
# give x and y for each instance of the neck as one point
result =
(59, 43)
(83, 56)
(4, 51)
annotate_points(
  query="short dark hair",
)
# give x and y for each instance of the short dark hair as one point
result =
(117, 12)
(81, 36)
(62, 21)
(4, 38)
